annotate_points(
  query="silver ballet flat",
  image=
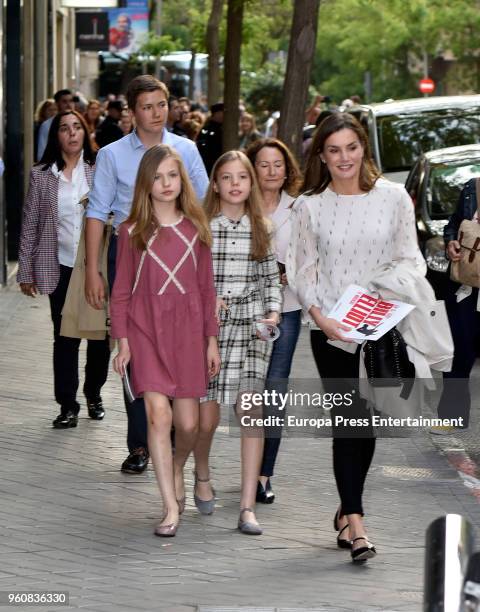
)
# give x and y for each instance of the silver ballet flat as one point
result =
(248, 527)
(204, 506)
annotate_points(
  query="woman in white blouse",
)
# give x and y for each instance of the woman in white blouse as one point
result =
(52, 222)
(279, 179)
(348, 222)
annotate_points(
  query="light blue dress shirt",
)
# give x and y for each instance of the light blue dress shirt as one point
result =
(116, 170)
(43, 137)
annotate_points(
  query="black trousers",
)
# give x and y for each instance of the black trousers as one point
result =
(65, 355)
(136, 415)
(464, 320)
(353, 447)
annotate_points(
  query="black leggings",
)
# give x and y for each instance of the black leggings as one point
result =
(353, 446)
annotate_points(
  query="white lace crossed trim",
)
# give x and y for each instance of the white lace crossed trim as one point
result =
(171, 273)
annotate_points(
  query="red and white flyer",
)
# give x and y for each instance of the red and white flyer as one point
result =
(368, 316)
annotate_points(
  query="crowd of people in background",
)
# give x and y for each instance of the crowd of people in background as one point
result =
(109, 120)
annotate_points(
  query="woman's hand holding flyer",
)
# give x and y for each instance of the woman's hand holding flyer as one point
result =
(369, 317)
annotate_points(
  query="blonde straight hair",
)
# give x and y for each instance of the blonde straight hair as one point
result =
(141, 215)
(261, 227)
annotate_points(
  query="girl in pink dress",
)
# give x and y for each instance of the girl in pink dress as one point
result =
(163, 314)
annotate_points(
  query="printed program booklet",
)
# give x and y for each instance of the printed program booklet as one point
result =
(368, 316)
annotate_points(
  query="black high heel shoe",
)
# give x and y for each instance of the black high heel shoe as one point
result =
(265, 495)
(341, 543)
(335, 521)
(360, 555)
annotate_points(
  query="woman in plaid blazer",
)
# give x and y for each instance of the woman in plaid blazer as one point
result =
(52, 220)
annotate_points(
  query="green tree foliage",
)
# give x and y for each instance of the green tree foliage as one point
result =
(389, 39)
(266, 27)
(159, 45)
(187, 22)
(266, 32)
(262, 90)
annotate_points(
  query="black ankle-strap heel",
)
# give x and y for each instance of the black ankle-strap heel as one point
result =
(359, 555)
(341, 542)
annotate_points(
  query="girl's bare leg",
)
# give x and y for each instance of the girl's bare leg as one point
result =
(208, 423)
(159, 423)
(251, 455)
(185, 420)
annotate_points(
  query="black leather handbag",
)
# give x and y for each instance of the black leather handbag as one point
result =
(387, 363)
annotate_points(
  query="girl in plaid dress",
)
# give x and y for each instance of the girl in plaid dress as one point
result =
(248, 288)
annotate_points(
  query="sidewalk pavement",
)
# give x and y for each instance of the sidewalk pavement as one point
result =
(73, 522)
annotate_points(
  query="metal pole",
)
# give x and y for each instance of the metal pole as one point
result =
(367, 85)
(449, 544)
(425, 69)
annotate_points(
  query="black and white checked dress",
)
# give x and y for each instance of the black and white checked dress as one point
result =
(250, 289)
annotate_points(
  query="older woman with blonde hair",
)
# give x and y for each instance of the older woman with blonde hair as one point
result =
(248, 131)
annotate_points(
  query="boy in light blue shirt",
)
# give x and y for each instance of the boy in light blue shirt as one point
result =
(112, 191)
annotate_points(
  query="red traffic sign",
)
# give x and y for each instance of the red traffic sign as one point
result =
(426, 86)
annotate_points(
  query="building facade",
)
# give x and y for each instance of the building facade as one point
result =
(37, 43)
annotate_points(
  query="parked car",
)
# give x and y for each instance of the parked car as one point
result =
(400, 131)
(434, 184)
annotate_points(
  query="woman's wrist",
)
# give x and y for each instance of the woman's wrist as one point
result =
(312, 309)
(316, 314)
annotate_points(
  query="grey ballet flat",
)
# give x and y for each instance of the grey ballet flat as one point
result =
(204, 506)
(248, 527)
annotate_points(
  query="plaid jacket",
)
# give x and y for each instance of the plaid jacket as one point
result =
(38, 253)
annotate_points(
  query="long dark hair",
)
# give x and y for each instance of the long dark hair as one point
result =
(53, 152)
(294, 175)
(317, 175)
